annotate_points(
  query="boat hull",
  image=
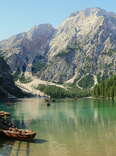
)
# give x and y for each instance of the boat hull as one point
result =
(17, 136)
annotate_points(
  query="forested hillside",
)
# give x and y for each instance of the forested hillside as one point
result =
(106, 88)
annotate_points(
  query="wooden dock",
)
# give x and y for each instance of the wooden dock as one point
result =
(20, 149)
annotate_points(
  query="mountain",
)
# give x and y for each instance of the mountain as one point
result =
(24, 49)
(84, 43)
(7, 86)
(83, 47)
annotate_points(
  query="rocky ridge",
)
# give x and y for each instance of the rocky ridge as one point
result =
(85, 43)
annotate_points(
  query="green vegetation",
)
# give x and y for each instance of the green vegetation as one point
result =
(63, 53)
(37, 66)
(106, 88)
(88, 59)
(86, 82)
(16, 75)
(71, 47)
(110, 52)
(1, 54)
(24, 79)
(58, 92)
(99, 77)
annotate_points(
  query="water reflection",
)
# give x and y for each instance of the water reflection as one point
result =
(84, 127)
(30, 109)
(5, 146)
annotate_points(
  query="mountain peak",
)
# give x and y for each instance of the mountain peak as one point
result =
(96, 10)
(41, 26)
(84, 43)
(90, 11)
(41, 29)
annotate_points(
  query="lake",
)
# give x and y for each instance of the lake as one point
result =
(86, 127)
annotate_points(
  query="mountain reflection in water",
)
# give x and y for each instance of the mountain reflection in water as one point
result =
(70, 128)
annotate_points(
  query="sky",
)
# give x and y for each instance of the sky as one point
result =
(20, 15)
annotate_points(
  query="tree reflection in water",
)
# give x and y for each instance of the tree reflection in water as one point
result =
(84, 127)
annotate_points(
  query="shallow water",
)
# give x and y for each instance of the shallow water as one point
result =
(86, 127)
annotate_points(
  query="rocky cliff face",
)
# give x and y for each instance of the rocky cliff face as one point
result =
(84, 43)
(23, 50)
(7, 86)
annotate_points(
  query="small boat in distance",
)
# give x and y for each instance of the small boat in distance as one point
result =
(20, 134)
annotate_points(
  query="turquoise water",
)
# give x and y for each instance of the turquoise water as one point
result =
(86, 127)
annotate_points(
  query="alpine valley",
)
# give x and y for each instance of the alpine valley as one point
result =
(81, 51)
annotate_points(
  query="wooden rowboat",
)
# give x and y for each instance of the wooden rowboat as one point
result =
(2, 113)
(19, 134)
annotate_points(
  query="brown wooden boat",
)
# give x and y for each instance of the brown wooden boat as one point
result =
(19, 134)
(2, 113)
